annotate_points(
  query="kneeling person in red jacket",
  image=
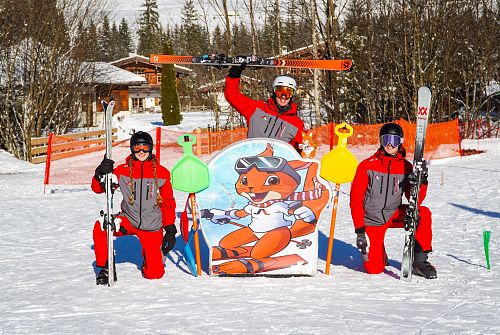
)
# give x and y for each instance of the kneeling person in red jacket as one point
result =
(275, 118)
(148, 206)
(376, 203)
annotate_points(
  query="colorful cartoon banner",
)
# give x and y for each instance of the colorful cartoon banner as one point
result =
(261, 211)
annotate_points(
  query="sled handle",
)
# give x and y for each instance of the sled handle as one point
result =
(187, 141)
(343, 135)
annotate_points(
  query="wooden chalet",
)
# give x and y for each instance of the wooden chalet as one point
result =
(132, 82)
(102, 81)
(146, 96)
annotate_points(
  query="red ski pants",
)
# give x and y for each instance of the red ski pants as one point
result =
(376, 234)
(152, 267)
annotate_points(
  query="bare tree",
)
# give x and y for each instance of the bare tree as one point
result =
(40, 89)
(250, 6)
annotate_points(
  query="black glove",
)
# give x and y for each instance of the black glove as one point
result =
(169, 239)
(361, 241)
(413, 177)
(235, 71)
(105, 167)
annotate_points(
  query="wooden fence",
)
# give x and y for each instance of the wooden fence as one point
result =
(68, 145)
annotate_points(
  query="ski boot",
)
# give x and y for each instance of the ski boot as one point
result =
(103, 277)
(422, 267)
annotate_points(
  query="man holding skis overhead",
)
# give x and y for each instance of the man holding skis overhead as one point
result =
(275, 118)
(148, 207)
(376, 194)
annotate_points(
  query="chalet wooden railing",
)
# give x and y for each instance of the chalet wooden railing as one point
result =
(67, 145)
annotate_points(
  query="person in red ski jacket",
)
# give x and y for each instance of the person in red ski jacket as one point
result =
(275, 118)
(376, 203)
(147, 209)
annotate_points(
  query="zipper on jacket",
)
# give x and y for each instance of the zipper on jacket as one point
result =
(140, 198)
(386, 190)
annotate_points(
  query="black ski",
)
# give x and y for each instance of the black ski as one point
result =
(412, 214)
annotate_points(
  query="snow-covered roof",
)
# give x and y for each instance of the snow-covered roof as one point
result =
(105, 73)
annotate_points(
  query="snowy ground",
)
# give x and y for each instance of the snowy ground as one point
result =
(48, 285)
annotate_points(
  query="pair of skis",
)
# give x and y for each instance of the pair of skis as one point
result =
(221, 60)
(412, 218)
(108, 216)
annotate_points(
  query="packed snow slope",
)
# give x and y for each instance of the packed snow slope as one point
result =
(48, 270)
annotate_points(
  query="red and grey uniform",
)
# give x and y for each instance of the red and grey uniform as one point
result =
(143, 217)
(263, 118)
(376, 203)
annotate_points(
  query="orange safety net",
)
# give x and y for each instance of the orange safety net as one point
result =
(442, 141)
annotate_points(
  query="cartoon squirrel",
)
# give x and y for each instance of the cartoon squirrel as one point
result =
(278, 213)
(308, 145)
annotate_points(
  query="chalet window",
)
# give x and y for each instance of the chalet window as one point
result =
(140, 72)
(158, 78)
(137, 102)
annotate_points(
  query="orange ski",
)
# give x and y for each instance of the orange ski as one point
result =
(220, 60)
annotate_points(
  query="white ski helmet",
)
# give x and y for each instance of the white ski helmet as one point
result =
(285, 81)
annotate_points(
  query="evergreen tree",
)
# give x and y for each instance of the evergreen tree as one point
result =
(192, 38)
(242, 40)
(170, 104)
(150, 30)
(125, 39)
(92, 37)
(104, 41)
(114, 46)
(218, 43)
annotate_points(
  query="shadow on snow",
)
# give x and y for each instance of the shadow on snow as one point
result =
(128, 250)
(477, 211)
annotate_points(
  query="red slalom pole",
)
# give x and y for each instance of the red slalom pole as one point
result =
(47, 162)
(158, 143)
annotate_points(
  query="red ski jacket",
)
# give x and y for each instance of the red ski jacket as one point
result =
(140, 206)
(263, 118)
(378, 187)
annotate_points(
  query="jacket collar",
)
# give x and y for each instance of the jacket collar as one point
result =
(380, 154)
(290, 112)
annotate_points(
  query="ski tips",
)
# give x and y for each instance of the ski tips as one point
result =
(424, 89)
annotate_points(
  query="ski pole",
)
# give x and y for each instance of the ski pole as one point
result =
(332, 229)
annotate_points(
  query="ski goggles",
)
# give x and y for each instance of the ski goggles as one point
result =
(146, 148)
(391, 139)
(266, 164)
(283, 91)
